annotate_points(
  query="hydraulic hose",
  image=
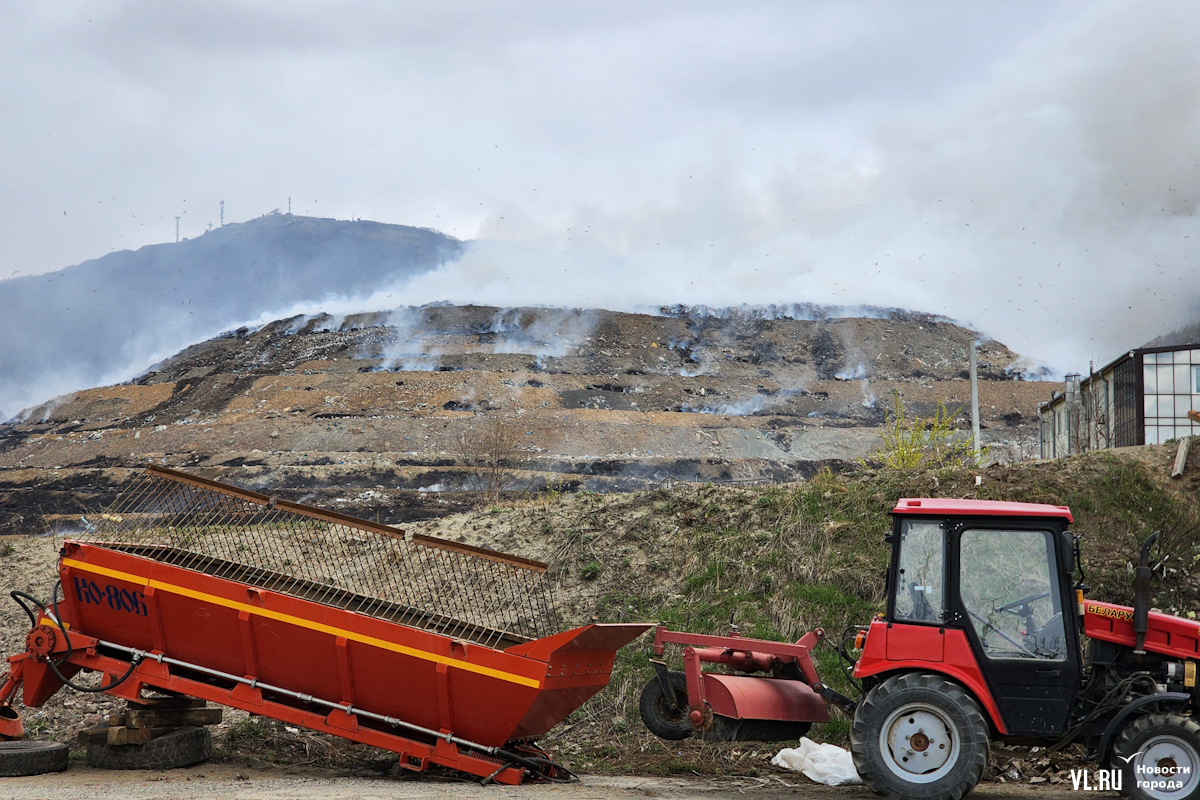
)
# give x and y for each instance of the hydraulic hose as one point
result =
(1112, 699)
(542, 768)
(21, 597)
(844, 660)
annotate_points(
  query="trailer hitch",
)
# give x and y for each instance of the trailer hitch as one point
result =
(837, 698)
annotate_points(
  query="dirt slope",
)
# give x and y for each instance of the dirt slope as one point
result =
(333, 409)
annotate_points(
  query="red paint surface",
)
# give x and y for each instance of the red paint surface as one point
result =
(919, 642)
(957, 662)
(750, 697)
(937, 506)
(1165, 634)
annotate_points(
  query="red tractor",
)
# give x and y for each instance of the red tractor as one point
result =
(987, 636)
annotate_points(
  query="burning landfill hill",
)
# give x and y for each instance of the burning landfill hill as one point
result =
(378, 413)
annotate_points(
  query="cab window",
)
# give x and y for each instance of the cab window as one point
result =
(1010, 592)
(920, 574)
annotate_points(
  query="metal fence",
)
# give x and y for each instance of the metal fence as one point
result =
(453, 589)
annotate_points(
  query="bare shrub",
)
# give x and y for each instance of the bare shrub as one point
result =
(488, 450)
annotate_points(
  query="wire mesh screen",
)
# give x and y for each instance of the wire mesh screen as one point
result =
(464, 592)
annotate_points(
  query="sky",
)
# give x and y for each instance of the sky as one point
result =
(1032, 169)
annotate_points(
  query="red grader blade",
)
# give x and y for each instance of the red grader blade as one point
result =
(443, 653)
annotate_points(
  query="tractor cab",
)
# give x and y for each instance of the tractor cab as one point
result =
(981, 591)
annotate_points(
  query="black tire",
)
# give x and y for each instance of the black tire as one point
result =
(31, 758)
(656, 708)
(905, 720)
(182, 748)
(1156, 742)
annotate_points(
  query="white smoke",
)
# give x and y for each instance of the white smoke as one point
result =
(1052, 204)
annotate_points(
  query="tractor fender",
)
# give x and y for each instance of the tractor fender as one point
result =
(973, 684)
(956, 661)
(1130, 712)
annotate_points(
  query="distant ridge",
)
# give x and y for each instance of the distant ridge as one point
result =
(104, 320)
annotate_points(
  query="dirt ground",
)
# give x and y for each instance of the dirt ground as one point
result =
(239, 783)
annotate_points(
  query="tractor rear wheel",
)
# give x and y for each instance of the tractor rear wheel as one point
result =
(919, 736)
(1159, 756)
(663, 721)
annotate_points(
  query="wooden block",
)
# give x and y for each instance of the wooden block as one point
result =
(1181, 457)
(173, 717)
(1194, 416)
(116, 720)
(126, 735)
(97, 734)
(150, 703)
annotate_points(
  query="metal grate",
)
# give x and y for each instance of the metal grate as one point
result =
(456, 590)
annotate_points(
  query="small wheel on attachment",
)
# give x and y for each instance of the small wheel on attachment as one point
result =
(663, 721)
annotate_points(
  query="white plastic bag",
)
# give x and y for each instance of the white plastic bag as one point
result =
(822, 763)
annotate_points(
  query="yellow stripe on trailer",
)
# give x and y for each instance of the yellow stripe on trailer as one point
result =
(160, 586)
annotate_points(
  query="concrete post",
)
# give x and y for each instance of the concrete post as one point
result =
(974, 403)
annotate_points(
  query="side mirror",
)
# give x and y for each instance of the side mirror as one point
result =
(1066, 553)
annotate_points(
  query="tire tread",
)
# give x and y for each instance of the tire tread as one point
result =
(185, 747)
(20, 758)
(975, 739)
(1143, 725)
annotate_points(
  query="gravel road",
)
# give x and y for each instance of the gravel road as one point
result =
(231, 782)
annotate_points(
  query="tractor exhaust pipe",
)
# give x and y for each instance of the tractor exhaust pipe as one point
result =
(1141, 596)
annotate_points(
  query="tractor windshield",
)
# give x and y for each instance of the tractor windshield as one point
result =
(1010, 592)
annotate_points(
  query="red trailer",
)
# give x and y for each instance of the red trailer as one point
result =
(440, 652)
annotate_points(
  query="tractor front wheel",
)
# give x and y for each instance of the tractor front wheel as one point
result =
(919, 736)
(1159, 755)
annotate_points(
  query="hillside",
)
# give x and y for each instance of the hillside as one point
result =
(387, 413)
(109, 318)
(777, 561)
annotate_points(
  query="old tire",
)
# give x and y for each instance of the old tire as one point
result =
(182, 748)
(919, 736)
(656, 708)
(31, 758)
(1159, 757)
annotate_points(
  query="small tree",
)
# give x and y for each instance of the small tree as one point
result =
(910, 442)
(488, 450)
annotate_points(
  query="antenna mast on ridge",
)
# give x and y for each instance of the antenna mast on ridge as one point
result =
(222, 213)
(177, 230)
